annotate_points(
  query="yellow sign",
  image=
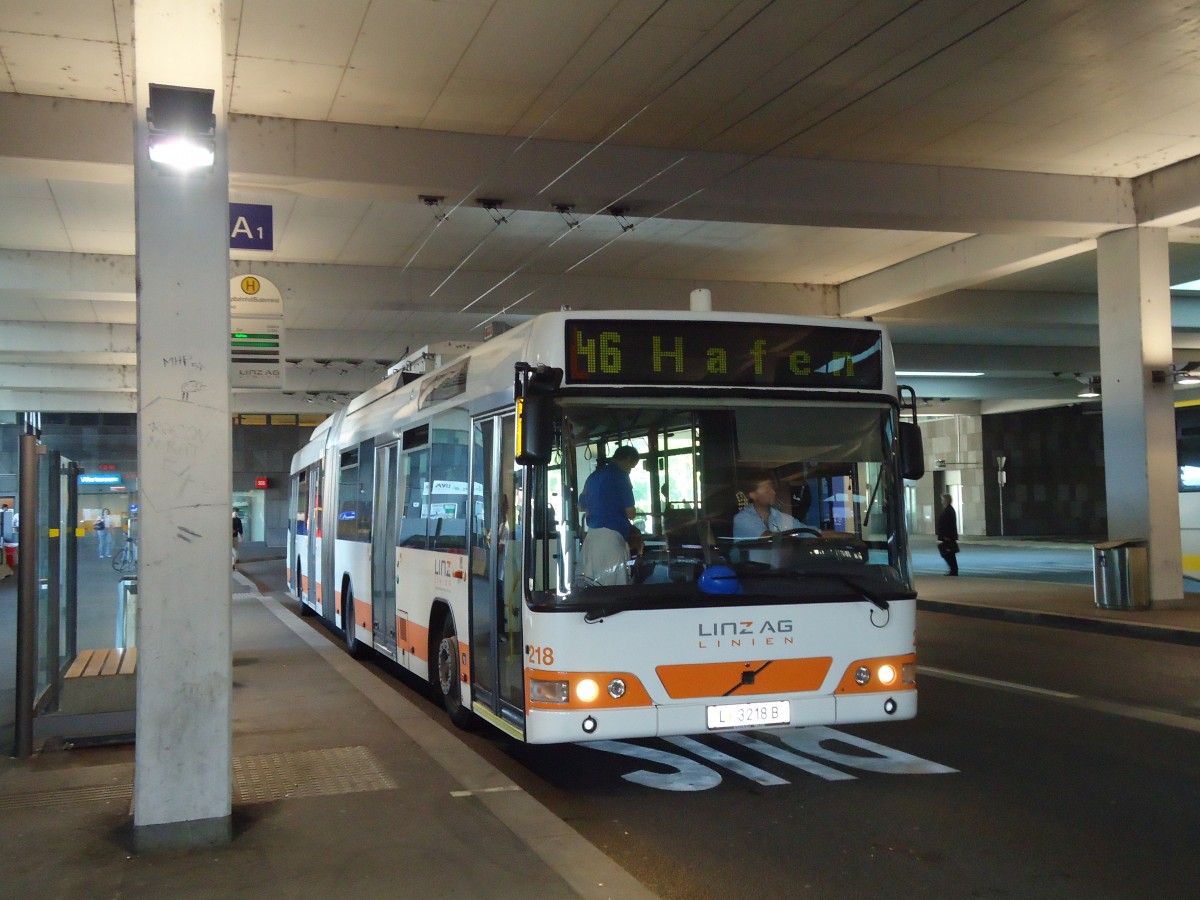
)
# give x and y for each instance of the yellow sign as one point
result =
(250, 285)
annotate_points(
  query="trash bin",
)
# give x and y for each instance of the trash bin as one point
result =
(127, 612)
(10, 555)
(1121, 574)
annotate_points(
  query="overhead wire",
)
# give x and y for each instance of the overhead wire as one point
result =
(658, 96)
(798, 132)
(624, 124)
(537, 252)
(525, 141)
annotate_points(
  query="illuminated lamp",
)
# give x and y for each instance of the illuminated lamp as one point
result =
(181, 128)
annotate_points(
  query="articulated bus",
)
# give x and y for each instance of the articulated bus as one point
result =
(437, 522)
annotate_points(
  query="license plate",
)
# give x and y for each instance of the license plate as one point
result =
(750, 715)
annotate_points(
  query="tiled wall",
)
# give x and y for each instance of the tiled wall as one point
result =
(1054, 463)
(1055, 466)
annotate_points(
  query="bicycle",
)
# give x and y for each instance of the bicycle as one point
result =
(126, 559)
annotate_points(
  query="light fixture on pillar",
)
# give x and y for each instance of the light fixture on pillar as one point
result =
(1093, 388)
(181, 128)
(1186, 375)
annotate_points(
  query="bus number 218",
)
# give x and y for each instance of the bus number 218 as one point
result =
(540, 656)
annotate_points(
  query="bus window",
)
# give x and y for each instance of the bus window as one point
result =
(355, 488)
(449, 465)
(300, 501)
(414, 515)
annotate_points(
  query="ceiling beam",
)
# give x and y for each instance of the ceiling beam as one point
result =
(69, 337)
(86, 140)
(997, 361)
(1170, 195)
(959, 265)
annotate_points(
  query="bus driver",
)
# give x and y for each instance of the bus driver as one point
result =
(761, 517)
(607, 498)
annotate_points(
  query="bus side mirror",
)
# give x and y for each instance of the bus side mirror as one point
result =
(912, 451)
(535, 413)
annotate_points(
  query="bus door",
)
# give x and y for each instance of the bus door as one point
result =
(383, 552)
(497, 532)
(313, 521)
(327, 590)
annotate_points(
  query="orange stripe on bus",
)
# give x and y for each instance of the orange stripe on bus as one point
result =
(417, 640)
(361, 610)
(780, 676)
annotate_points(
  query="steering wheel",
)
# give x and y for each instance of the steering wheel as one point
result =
(803, 531)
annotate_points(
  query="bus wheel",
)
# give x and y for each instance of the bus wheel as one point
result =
(448, 680)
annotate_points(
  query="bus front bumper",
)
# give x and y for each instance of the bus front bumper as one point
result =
(544, 726)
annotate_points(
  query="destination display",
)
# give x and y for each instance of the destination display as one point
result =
(734, 354)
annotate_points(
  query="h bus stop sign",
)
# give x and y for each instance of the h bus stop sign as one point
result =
(256, 335)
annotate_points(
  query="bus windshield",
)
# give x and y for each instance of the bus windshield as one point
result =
(772, 501)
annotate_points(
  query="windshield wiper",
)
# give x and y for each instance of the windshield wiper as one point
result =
(845, 579)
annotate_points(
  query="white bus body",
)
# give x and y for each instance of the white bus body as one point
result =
(417, 532)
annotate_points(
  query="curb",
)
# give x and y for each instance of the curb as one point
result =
(1162, 633)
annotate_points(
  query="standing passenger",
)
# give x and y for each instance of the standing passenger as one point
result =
(607, 498)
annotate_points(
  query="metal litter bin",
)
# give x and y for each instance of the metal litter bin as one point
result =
(127, 612)
(1121, 575)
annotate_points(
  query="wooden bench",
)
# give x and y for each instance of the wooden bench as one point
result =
(100, 681)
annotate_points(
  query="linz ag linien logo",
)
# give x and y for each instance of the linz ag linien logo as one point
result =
(767, 633)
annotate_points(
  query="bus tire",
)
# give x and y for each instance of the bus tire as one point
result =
(305, 609)
(447, 679)
(356, 648)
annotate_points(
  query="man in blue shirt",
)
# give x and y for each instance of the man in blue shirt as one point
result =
(761, 518)
(607, 498)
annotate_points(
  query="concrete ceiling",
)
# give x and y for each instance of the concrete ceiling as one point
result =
(942, 165)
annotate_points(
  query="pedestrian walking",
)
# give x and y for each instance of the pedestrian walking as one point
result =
(102, 527)
(947, 534)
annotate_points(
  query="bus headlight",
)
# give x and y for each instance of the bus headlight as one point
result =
(887, 673)
(862, 675)
(548, 691)
(586, 691)
(616, 689)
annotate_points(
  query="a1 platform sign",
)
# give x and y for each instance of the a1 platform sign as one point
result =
(256, 333)
(251, 226)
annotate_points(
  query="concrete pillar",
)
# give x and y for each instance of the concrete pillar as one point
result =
(183, 762)
(1140, 460)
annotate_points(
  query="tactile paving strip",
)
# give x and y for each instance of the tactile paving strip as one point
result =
(256, 779)
(308, 773)
(68, 796)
